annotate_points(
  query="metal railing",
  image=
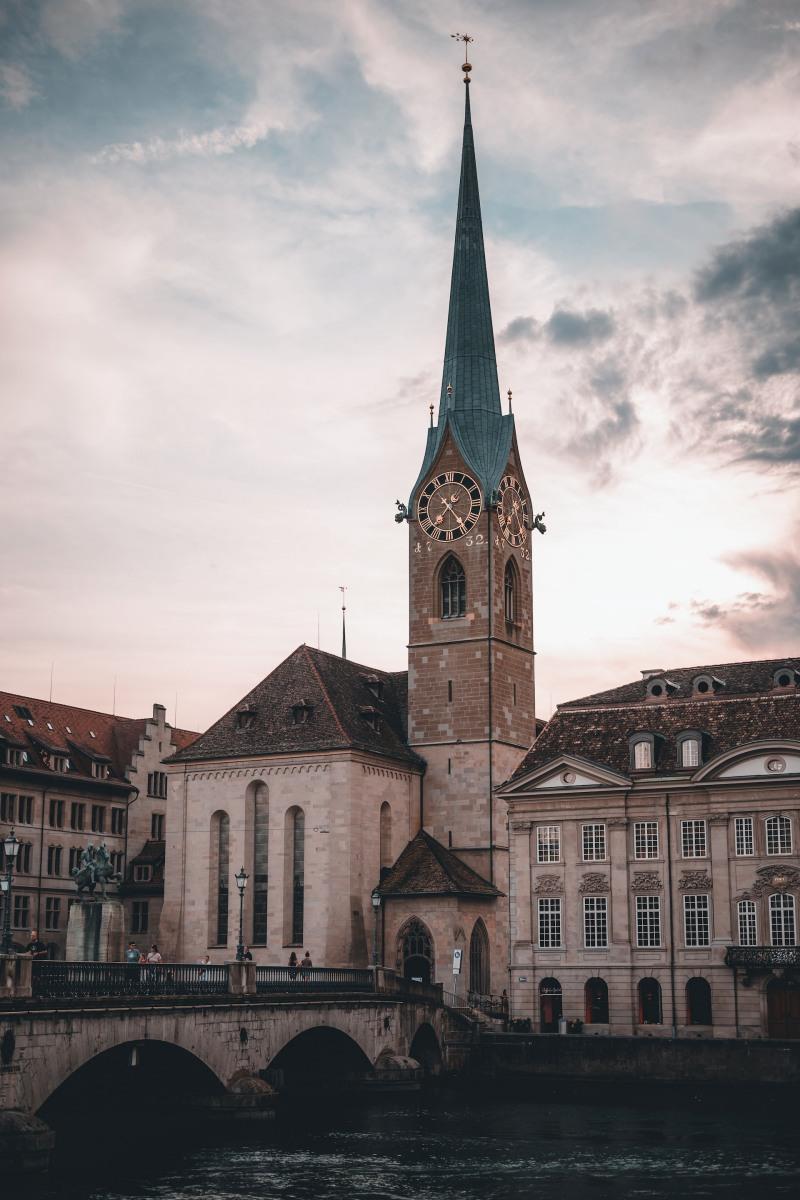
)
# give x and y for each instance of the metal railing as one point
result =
(78, 980)
(313, 979)
(762, 958)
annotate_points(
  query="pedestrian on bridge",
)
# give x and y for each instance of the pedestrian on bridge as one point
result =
(305, 965)
(293, 965)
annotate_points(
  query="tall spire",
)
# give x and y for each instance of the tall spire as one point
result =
(470, 366)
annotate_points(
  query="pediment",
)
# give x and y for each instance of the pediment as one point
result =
(565, 773)
(765, 760)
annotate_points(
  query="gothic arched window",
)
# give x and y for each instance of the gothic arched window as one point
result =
(260, 888)
(479, 960)
(453, 589)
(220, 848)
(386, 835)
(510, 592)
(294, 848)
(416, 951)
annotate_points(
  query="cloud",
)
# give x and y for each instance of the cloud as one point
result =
(758, 618)
(16, 86)
(521, 329)
(75, 27)
(213, 142)
(566, 328)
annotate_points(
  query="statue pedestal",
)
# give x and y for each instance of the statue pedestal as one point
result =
(96, 931)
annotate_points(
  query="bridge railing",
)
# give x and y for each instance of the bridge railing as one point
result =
(313, 979)
(76, 980)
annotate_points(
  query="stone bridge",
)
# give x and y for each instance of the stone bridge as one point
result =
(229, 1047)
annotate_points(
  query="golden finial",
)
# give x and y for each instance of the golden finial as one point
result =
(509, 399)
(466, 66)
(449, 393)
(430, 410)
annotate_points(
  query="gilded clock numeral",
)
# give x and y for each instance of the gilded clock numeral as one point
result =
(449, 506)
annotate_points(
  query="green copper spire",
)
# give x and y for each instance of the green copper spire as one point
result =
(470, 366)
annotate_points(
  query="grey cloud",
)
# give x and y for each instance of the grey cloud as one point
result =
(569, 328)
(521, 329)
(769, 618)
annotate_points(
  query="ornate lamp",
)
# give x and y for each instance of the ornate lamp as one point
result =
(241, 878)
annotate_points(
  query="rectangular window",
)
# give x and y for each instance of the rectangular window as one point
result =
(645, 839)
(548, 843)
(690, 752)
(594, 843)
(8, 807)
(549, 923)
(140, 916)
(779, 835)
(748, 931)
(24, 856)
(98, 818)
(642, 756)
(781, 919)
(648, 920)
(13, 757)
(74, 858)
(157, 827)
(59, 762)
(116, 861)
(25, 810)
(697, 920)
(99, 770)
(157, 784)
(743, 832)
(52, 912)
(142, 873)
(56, 814)
(21, 918)
(693, 839)
(595, 922)
(77, 816)
(53, 860)
(118, 820)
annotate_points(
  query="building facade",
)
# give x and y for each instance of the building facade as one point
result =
(70, 776)
(655, 858)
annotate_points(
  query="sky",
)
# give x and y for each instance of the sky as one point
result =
(225, 245)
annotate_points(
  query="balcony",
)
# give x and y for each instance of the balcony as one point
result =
(762, 958)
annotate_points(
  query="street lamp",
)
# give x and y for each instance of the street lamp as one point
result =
(241, 878)
(376, 907)
(11, 848)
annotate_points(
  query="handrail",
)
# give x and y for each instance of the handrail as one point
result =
(313, 979)
(68, 980)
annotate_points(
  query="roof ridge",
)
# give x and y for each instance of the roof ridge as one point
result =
(96, 712)
(352, 662)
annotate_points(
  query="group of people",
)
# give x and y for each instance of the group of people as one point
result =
(133, 955)
(303, 967)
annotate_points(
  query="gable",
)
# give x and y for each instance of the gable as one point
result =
(565, 773)
(764, 760)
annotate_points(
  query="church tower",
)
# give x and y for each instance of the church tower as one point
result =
(470, 656)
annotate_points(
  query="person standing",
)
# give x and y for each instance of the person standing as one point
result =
(305, 965)
(293, 965)
(132, 960)
(36, 947)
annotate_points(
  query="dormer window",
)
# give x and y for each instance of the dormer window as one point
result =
(14, 757)
(59, 762)
(784, 677)
(706, 685)
(99, 770)
(375, 685)
(690, 749)
(301, 712)
(660, 688)
(246, 718)
(371, 716)
(642, 756)
(142, 873)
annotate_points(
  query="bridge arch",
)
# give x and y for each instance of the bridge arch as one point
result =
(134, 1072)
(426, 1049)
(320, 1056)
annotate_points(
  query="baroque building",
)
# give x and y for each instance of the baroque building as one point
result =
(70, 776)
(362, 804)
(655, 860)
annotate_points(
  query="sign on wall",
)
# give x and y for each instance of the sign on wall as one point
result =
(457, 955)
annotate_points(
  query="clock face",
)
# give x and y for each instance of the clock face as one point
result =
(512, 511)
(449, 506)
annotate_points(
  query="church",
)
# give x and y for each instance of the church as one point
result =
(363, 804)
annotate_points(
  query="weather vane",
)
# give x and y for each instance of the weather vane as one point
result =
(467, 65)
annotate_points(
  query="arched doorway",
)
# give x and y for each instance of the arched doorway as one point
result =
(698, 1002)
(479, 974)
(416, 952)
(549, 1005)
(595, 995)
(649, 1002)
(783, 1008)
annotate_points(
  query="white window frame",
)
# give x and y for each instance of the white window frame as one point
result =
(690, 750)
(697, 921)
(690, 839)
(782, 929)
(643, 749)
(548, 837)
(550, 927)
(775, 828)
(648, 921)
(744, 837)
(645, 838)
(595, 922)
(593, 842)
(747, 922)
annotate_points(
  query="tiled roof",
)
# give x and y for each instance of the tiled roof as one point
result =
(747, 709)
(81, 733)
(737, 679)
(427, 868)
(346, 706)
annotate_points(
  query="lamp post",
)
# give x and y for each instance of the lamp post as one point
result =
(241, 878)
(11, 848)
(376, 908)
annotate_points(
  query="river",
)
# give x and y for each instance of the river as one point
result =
(445, 1145)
